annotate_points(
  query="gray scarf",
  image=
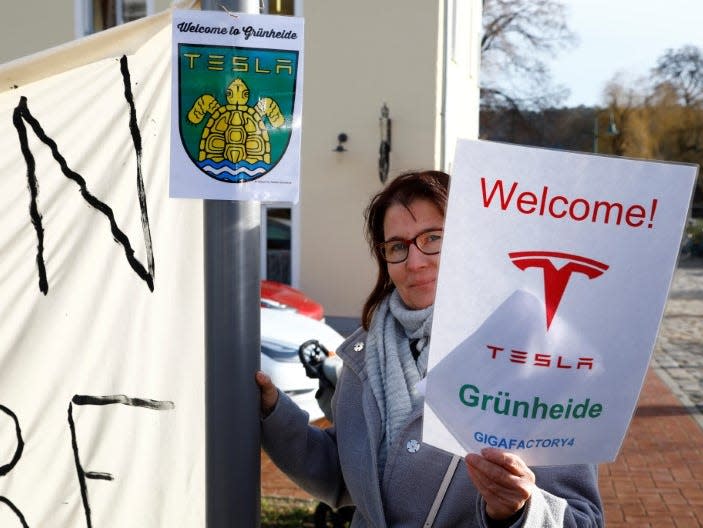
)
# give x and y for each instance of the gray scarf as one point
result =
(391, 369)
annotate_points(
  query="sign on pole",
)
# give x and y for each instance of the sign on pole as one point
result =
(554, 275)
(236, 106)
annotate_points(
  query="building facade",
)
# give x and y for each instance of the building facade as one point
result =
(420, 60)
(385, 91)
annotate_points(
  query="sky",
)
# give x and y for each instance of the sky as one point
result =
(627, 35)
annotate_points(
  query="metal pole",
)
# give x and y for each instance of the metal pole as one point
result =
(595, 133)
(232, 250)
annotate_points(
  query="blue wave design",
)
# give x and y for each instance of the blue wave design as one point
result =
(239, 172)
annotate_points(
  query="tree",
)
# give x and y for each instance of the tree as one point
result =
(662, 119)
(665, 120)
(518, 35)
(629, 122)
(679, 89)
(682, 70)
(678, 127)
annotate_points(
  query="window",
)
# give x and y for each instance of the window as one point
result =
(280, 7)
(97, 15)
(278, 244)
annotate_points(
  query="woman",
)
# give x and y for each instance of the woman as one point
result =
(372, 458)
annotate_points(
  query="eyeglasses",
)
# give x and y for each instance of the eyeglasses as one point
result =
(396, 251)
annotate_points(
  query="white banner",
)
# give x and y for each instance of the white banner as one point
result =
(101, 311)
(237, 91)
(554, 275)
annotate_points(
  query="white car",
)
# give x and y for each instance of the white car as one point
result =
(282, 333)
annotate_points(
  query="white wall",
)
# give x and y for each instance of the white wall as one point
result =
(359, 55)
(28, 26)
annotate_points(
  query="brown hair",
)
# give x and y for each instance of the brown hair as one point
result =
(403, 190)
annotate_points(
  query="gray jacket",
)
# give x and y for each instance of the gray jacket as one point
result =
(338, 465)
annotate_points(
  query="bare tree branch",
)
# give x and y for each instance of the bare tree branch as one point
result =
(682, 69)
(518, 35)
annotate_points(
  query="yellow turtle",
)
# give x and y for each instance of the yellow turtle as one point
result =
(235, 131)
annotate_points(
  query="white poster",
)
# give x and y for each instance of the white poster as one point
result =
(101, 292)
(553, 279)
(237, 92)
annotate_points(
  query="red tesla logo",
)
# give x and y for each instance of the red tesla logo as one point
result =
(556, 279)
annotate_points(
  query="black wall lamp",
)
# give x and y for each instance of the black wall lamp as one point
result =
(341, 140)
(384, 150)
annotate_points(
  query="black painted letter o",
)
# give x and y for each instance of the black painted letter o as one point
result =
(4, 470)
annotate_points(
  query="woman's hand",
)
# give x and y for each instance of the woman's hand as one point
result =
(503, 480)
(269, 393)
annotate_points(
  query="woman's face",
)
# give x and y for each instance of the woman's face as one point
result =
(416, 277)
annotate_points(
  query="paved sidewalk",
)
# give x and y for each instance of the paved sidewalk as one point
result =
(657, 478)
(678, 355)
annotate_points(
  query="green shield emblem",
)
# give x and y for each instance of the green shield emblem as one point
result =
(235, 108)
